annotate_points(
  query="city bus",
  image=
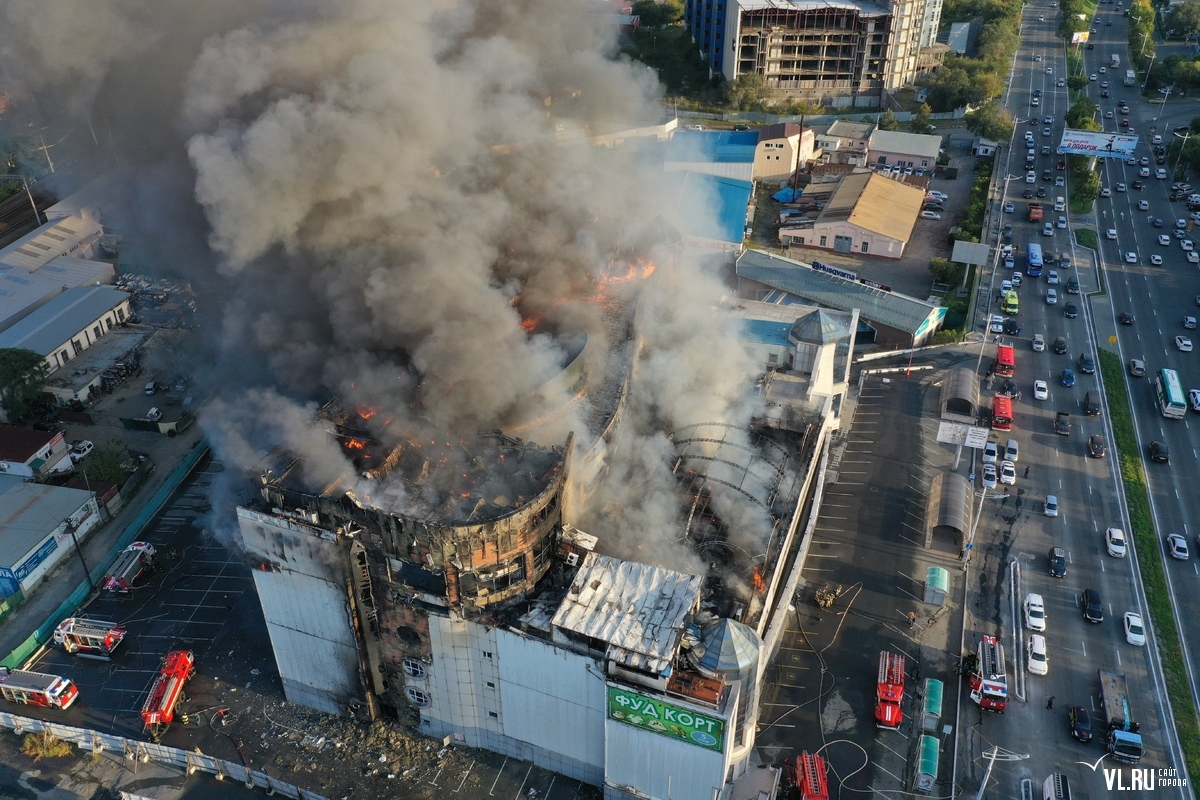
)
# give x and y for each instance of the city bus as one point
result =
(1011, 304)
(1006, 361)
(1002, 413)
(1033, 260)
(1169, 392)
(37, 689)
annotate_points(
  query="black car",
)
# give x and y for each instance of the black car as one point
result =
(741, 127)
(1071, 311)
(1012, 327)
(1009, 389)
(1086, 364)
(1160, 452)
(1058, 562)
(1093, 606)
(1137, 186)
(1103, 94)
(1091, 46)
(1060, 345)
(1096, 446)
(1126, 318)
(1072, 285)
(1081, 723)
(1046, 176)
(1028, 193)
(1158, 223)
(1160, 160)
(1041, 192)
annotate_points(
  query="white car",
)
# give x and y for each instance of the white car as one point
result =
(1193, 257)
(1039, 343)
(1052, 278)
(1160, 173)
(1121, 187)
(1039, 664)
(1187, 245)
(930, 215)
(1092, 77)
(989, 476)
(1131, 258)
(1183, 344)
(1135, 631)
(80, 450)
(1051, 297)
(1111, 233)
(1008, 473)
(1144, 172)
(154, 415)
(997, 324)
(1006, 285)
(939, 195)
(1114, 542)
(1051, 507)
(1103, 70)
(1164, 240)
(990, 452)
(1035, 612)
(1143, 205)
(1040, 390)
(1156, 259)
(1030, 176)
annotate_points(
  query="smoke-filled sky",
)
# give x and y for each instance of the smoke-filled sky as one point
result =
(376, 193)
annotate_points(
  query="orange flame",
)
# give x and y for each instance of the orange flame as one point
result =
(365, 411)
(756, 580)
(355, 444)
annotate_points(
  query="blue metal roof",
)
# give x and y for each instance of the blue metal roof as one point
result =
(763, 331)
(718, 147)
(713, 207)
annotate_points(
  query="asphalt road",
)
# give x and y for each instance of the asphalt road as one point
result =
(1086, 488)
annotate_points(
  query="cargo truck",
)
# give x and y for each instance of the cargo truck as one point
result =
(1130, 78)
(1124, 741)
(1035, 212)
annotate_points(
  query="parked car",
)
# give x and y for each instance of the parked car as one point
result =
(81, 450)
(1080, 721)
(1039, 662)
(930, 215)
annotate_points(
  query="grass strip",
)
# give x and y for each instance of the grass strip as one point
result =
(1087, 238)
(1145, 538)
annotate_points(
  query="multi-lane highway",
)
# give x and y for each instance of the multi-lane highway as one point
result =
(1087, 488)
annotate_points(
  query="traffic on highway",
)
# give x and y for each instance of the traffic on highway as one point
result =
(1082, 647)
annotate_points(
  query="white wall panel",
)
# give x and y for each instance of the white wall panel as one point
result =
(660, 767)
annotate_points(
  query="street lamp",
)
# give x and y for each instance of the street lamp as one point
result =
(1183, 147)
(1152, 57)
(992, 757)
(1166, 93)
(28, 194)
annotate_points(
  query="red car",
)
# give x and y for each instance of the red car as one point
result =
(1124, 123)
(1062, 164)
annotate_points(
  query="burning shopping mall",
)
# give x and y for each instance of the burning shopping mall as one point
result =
(448, 581)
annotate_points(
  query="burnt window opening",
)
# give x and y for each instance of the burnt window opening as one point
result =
(416, 697)
(413, 668)
(408, 636)
(504, 577)
(542, 552)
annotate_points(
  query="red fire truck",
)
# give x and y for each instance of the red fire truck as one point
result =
(158, 712)
(889, 691)
(36, 688)
(809, 776)
(89, 638)
(989, 684)
(132, 564)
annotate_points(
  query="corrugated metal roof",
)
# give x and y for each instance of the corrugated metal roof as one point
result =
(718, 147)
(713, 207)
(72, 272)
(875, 203)
(914, 144)
(50, 326)
(54, 239)
(894, 310)
(29, 512)
(638, 609)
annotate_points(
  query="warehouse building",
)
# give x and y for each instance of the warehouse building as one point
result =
(722, 154)
(38, 523)
(899, 149)
(867, 214)
(23, 291)
(712, 214)
(69, 324)
(895, 320)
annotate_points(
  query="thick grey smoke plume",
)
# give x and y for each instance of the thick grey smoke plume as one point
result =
(389, 189)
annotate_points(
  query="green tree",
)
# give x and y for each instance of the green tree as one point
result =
(1086, 188)
(1195, 125)
(108, 462)
(1077, 82)
(1082, 115)
(1184, 20)
(22, 380)
(746, 92)
(951, 88)
(654, 15)
(942, 269)
(920, 122)
(990, 121)
(888, 121)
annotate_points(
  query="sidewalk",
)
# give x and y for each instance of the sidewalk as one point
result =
(56, 587)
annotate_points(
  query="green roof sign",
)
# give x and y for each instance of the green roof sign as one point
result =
(666, 719)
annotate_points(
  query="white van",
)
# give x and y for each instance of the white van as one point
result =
(1056, 787)
(1012, 452)
(1060, 204)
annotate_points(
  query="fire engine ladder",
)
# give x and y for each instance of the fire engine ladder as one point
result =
(810, 775)
(992, 667)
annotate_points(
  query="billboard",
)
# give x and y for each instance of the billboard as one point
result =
(1079, 37)
(666, 719)
(1097, 143)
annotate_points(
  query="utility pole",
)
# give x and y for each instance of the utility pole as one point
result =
(995, 756)
(79, 551)
(36, 217)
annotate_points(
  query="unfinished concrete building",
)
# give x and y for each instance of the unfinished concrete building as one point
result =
(838, 54)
